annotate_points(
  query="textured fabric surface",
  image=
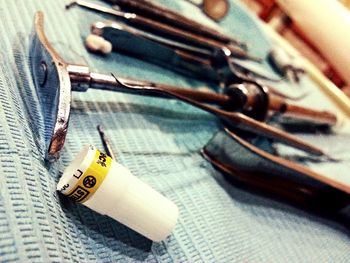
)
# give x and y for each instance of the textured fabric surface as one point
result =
(158, 140)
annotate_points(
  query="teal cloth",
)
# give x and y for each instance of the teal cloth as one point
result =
(158, 140)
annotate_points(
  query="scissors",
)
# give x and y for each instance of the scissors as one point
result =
(55, 79)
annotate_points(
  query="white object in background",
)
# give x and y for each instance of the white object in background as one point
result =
(108, 188)
(97, 44)
(327, 25)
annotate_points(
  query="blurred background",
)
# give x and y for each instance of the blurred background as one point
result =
(279, 15)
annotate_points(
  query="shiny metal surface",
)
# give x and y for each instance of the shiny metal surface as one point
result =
(53, 86)
(62, 77)
(193, 59)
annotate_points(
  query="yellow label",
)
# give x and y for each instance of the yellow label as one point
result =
(91, 179)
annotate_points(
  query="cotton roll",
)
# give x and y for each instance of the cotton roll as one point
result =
(107, 187)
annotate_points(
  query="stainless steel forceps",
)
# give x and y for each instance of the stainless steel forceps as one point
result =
(55, 79)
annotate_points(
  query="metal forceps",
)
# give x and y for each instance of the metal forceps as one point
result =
(215, 65)
(223, 56)
(140, 21)
(55, 79)
(165, 15)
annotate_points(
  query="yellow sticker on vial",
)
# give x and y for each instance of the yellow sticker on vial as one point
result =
(91, 179)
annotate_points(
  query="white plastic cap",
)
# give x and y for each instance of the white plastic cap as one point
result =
(97, 44)
(108, 188)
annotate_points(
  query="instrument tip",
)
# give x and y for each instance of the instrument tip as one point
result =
(69, 5)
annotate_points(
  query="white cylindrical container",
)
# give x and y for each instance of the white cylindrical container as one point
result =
(108, 188)
(327, 24)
